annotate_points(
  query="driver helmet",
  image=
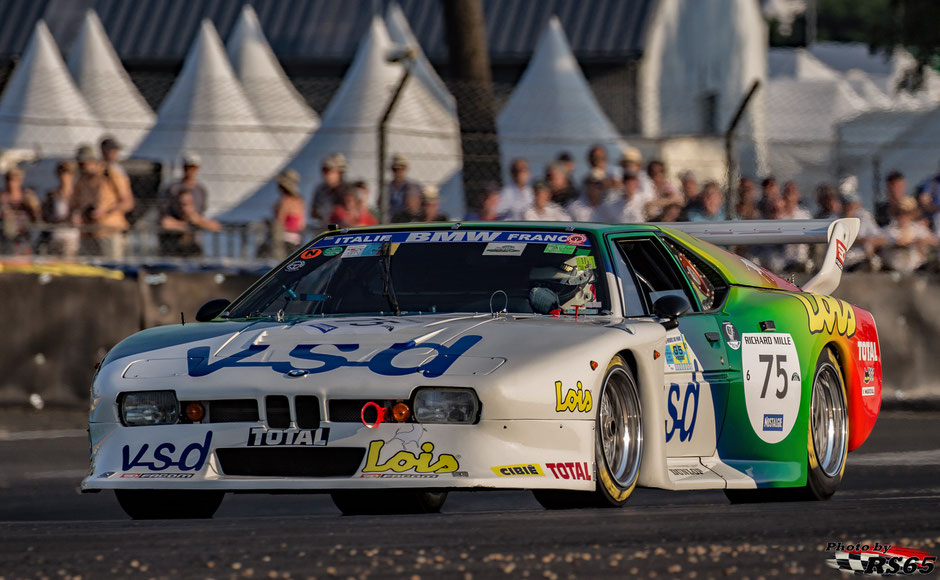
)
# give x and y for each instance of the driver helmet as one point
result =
(571, 285)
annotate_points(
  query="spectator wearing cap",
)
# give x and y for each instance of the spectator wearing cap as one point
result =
(19, 207)
(908, 242)
(400, 184)
(290, 217)
(897, 192)
(713, 207)
(631, 161)
(746, 207)
(863, 253)
(329, 192)
(100, 207)
(517, 194)
(559, 183)
(489, 205)
(625, 208)
(188, 183)
(431, 204)
(543, 209)
(182, 223)
(110, 154)
(586, 207)
(57, 211)
(829, 202)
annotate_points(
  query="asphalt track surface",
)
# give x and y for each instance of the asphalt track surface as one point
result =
(891, 494)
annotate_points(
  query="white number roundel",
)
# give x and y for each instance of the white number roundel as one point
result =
(772, 383)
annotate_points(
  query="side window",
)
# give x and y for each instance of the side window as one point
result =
(707, 283)
(654, 270)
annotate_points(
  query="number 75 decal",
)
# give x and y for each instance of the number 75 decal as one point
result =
(772, 386)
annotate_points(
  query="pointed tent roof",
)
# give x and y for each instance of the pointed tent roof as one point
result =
(807, 111)
(552, 109)
(279, 104)
(106, 86)
(208, 113)
(797, 63)
(420, 128)
(400, 33)
(41, 107)
(867, 89)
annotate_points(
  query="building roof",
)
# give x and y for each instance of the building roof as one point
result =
(330, 30)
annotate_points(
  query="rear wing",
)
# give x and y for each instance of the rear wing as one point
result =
(839, 234)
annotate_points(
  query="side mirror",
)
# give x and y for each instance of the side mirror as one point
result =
(670, 308)
(211, 309)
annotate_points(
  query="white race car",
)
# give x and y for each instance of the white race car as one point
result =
(389, 365)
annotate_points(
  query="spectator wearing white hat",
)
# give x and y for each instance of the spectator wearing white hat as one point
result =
(543, 209)
(400, 185)
(431, 203)
(516, 195)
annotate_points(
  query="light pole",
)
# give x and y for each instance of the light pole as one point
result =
(405, 56)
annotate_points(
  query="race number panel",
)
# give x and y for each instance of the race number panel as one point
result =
(772, 384)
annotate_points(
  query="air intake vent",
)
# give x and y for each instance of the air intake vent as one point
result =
(277, 411)
(307, 408)
(291, 462)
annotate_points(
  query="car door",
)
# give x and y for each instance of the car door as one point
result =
(696, 365)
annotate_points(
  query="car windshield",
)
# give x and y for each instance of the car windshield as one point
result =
(411, 272)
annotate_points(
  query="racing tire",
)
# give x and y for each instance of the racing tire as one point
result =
(388, 502)
(159, 504)
(618, 446)
(828, 441)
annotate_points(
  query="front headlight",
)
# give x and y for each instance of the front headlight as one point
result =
(150, 408)
(446, 406)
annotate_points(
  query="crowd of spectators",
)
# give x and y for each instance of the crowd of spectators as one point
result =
(87, 212)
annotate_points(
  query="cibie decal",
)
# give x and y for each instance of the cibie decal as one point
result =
(382, 363)
(772, 385)
(405, 460)
(262, 437)
(518, 470)
(827, 314)
(574, 400)
(164, 456)
(683, 423)
(732, 336)
(867, 351)
(570, 470)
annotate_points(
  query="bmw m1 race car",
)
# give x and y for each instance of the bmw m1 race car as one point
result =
(389, 365)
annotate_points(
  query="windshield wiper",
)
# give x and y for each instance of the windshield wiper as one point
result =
(387, 290)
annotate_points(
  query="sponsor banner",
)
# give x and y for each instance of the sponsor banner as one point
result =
(867, 351)
(518, 470)
(570, 470)
(453, 236)
(163, 456)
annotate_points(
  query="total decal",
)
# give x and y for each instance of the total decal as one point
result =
(164, 456)
(406, 455)
(772, 384)
(875, 558)
(570, 470)
(829, 315)
(867, 351)
(264, 437)
(382, 363)
(578, 399)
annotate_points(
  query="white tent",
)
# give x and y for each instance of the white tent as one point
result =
(420, 128)
(41, 108)
(400, 33)
(866, 88)
(104, 83)
(801, 126)
(279, 104)
(207, 112)
(552, 109)
(797, 63)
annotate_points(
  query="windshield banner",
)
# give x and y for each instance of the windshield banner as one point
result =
(456, 236)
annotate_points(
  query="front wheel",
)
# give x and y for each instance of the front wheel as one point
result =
(618, 446)
(393, 501)
(159, 504)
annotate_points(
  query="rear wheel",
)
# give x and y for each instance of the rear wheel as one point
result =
(158, 504)
(828, 442)
(618, 445)
(394, 501)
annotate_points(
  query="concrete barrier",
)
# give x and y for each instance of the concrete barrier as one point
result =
(56, 328)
